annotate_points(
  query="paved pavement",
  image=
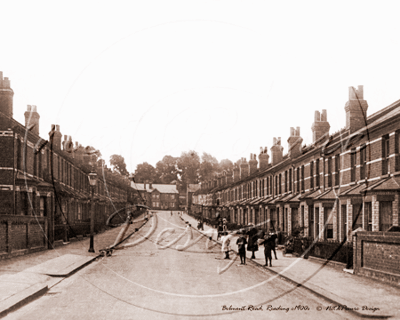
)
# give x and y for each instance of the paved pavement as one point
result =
(24, 278)
(371, 297)
(172, 276)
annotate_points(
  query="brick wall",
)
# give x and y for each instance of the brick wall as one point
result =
(377, 255)
(21, 234)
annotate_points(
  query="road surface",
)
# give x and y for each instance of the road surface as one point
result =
(157, 281)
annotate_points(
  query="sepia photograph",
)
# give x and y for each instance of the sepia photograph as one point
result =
(199, 160)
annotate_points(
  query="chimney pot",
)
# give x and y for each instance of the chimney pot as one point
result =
(317, 116)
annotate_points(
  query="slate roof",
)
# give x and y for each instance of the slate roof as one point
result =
(389, 184)
(162, 188)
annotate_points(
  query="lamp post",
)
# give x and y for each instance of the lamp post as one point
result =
(92, 181)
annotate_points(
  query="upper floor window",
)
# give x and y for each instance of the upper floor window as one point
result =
(385, 154)
(312, 174)
(302, 178)
(337, 169)
(298, 180)
(286, 181)
(330, 172)
(397, 150)
(317, 184)
(363, 162)
(353, 165)
(290, 180)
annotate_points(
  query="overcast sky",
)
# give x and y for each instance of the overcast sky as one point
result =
(145, 79)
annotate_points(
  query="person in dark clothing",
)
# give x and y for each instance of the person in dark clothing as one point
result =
(200, 225)
(241, 243)
(268, 245)
(220, 230)
(274, 238)
(252, 242)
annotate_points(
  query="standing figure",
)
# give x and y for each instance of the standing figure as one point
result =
(241, 243)
(224, 227)
(274, 238)
(226, 245)
(171, 213)
(268, 245)
(220, 229)
(252, 242)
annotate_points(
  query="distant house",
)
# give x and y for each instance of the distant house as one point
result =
(158, 196)
(191, 189)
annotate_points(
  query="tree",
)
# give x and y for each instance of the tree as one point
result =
(167, 169)
(145, 172)
(118, 164)
(225, 165)
(188, 165)
(208, 167)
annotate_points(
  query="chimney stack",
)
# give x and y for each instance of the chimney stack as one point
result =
(253, 163)
(55, 129)
(32, 119)
(294, 143)
(244, 169)
(263, 158)
(321, 126)
(276, 151)
(356, 109)
(6, 96)
(236, 172)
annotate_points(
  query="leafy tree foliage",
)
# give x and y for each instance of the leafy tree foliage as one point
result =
(146, 172)
(118, 164)
(225, 165)
(167, 170)
(188, 166)
(208, 167)
(184, 169)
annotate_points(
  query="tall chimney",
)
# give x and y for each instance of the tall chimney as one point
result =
(294, 143)
(356, 109)
(253, 163)
(244, 169)
(263, 158)
(229, 177)
(6, 96)
(55, 131)
(32, 119)
(321, 126)
(276, 151)
(236, 172)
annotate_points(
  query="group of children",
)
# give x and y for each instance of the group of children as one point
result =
(268, 240)
(255, 238)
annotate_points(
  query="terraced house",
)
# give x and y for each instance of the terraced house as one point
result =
(339, 183)
(44, 186)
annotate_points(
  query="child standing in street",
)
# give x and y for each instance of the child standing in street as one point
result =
(268, 245)
(241, 243)
(226, 242)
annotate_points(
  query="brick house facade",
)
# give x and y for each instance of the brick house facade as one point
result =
(158, 196)
(44, 187)
(340, 182)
